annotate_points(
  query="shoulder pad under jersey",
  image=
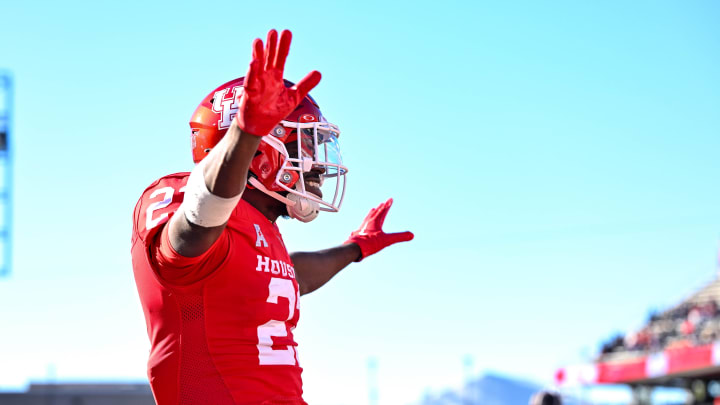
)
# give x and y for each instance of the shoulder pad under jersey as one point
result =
(157, 204)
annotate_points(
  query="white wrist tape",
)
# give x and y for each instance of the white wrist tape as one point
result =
(203, 208)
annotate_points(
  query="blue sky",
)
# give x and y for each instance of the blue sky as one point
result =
(557, 162)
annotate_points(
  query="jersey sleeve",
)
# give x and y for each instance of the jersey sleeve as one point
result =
(153, 211)
(156, 205)
(178, 269)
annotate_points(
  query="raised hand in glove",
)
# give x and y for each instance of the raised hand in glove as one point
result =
(265, 100)
(371, 238)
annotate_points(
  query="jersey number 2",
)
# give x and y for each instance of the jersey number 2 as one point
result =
(279, 287)
(167, 193)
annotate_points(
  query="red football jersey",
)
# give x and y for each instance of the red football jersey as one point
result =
(220, 324)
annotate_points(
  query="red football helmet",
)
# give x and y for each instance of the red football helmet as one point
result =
(284, 159)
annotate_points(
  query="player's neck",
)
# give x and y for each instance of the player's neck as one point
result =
(268, 206)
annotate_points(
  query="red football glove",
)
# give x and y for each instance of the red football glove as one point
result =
(265, 100)
(371, 238)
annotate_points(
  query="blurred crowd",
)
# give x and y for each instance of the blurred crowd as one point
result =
(689, 324)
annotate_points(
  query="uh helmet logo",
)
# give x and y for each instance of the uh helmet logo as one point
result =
(226, 104)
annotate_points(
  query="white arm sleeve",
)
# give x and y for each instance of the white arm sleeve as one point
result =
(200, 206)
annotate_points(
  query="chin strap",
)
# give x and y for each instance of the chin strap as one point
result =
(298, 207)
(302, 209)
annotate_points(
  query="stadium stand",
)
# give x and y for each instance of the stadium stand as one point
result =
(679, 347)
(694, 322)
(80, 394)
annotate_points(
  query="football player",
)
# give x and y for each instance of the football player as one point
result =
(219, 291)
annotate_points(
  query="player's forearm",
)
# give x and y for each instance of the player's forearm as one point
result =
(208, 206)
(314, 269)
(227, 167)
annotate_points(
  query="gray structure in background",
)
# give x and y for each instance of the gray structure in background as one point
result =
(80, 394)
(6, 175)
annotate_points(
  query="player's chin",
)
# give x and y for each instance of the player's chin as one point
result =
(313, 189)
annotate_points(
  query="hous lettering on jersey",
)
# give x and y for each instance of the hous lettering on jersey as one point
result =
(276, 267)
